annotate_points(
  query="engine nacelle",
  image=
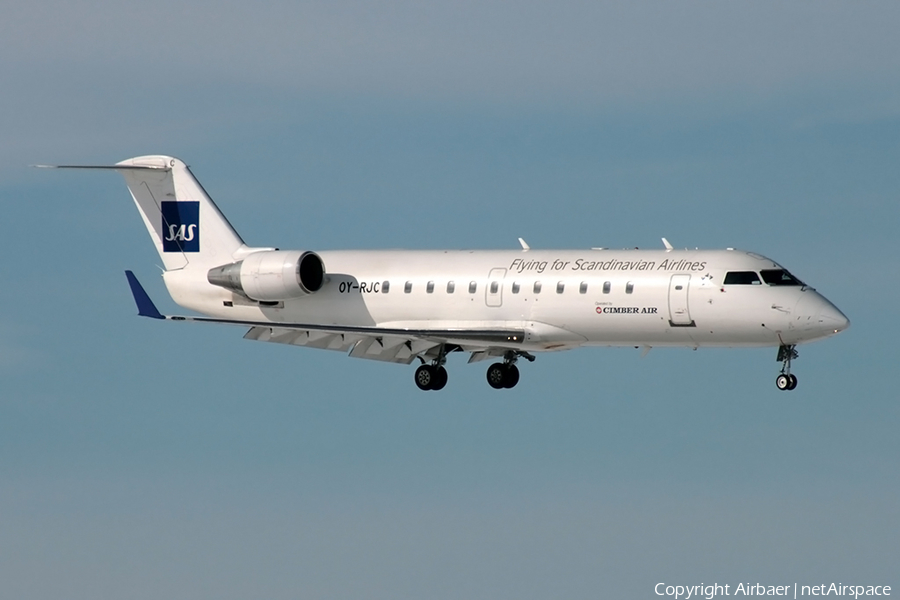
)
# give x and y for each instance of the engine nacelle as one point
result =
(272, 275)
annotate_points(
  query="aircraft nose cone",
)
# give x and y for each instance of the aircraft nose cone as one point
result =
(815, 317)
(832, 318)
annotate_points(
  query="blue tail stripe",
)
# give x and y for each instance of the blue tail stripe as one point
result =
(145, 305)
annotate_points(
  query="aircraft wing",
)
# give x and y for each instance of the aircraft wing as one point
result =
(372, 345)
(399, 345)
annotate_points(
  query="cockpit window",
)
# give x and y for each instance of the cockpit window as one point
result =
(779, 277)
(742, 278)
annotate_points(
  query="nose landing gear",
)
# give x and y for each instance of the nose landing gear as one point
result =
(786, 381)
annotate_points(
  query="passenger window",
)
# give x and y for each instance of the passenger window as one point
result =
(560, 287)
(494, 287)
(385, 287)
(583, 288)
(537, 287)
(742, 278)
(515, 287)
(473, 285)
(429, 287)
(607, 287)
(408, 287)
(451, 287)
(629, 287)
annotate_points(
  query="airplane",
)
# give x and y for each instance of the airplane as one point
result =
(403, 306)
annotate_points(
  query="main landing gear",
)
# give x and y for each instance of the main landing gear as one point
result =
(786, 381)
(502, 375)
(433, 376)
(505, 375)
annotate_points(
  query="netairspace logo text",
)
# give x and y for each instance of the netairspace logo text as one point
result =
(686, 592)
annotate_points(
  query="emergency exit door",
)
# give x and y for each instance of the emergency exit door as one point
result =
(679, 310)
(493, 294)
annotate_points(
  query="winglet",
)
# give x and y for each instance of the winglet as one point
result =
(145, 305)
(524, 245)
(667, 244)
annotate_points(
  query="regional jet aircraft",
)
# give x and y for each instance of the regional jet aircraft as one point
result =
(403, 306)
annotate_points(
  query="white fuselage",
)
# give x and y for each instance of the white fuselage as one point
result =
(560, 299)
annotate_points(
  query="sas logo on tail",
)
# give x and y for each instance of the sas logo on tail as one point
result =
(181, 226)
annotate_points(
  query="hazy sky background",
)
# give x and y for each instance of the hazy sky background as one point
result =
(146, 460)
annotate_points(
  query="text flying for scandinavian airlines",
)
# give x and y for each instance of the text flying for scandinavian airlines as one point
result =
(580, 264)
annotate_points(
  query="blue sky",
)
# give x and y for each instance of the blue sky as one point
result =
(141, 460)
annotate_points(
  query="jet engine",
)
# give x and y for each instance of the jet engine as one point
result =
(272, 275)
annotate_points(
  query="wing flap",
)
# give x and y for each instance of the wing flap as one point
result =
(388, 348)
(384, 348)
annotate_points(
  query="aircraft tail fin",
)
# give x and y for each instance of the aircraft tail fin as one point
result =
(184, 223)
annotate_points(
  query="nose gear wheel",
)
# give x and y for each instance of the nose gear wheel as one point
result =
(786, 381)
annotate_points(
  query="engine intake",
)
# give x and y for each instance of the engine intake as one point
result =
(272, 275)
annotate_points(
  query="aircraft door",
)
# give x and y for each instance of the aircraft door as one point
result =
(493, 293)
(679, 311)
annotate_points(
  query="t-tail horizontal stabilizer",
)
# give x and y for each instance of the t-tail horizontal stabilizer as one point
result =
(145, 305)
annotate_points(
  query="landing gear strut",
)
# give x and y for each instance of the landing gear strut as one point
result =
(786, 381)
(433, 376)
(506, 374)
